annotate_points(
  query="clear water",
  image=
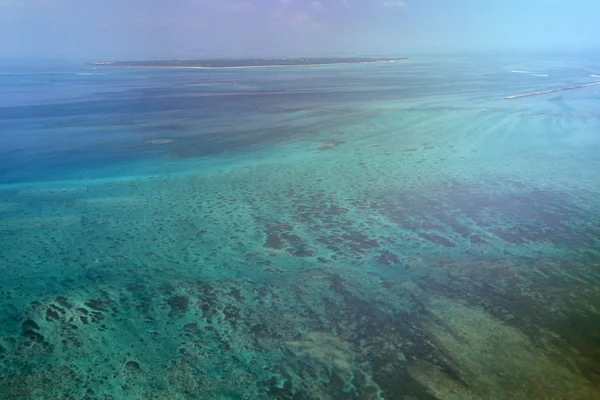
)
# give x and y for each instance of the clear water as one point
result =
(383, 231)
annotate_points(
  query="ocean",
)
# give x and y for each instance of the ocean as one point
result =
(362, 231)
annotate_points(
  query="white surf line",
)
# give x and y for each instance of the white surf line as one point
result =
(551, 91)
(529, 73)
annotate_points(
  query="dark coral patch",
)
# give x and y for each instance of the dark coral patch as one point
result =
(236, 294)
(30, 325)
(437, 239)
(304, 251)
(359, 241)
(191, 327)
(292, 238)
(515, 236)
(283, 227)
(388, 258)
(29, 331)
(99, 305)
(274, 241)
(476, 239)
(178, 304)
(232, 313)
(132, 366)
(330, 145)
(51, 315)
(33, 336)
(336, 211)
(63, 302)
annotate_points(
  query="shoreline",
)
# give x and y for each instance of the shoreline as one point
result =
(116, 64)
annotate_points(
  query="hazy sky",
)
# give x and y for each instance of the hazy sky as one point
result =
(107, 29)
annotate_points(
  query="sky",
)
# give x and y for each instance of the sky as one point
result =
(143, 29)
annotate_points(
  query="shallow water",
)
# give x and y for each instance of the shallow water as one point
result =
(383, 231)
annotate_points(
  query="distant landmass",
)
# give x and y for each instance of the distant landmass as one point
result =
(244, 63)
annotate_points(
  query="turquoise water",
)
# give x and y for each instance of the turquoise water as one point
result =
(382, 231)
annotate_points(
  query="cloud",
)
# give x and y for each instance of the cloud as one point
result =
(393, 3)
(302, 18)
(316, 5)
(285, 15)
(276, 17)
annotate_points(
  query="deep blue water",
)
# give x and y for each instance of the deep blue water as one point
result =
(58, 119)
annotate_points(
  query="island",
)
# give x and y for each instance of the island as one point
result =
(245, 63)
(519, 96)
